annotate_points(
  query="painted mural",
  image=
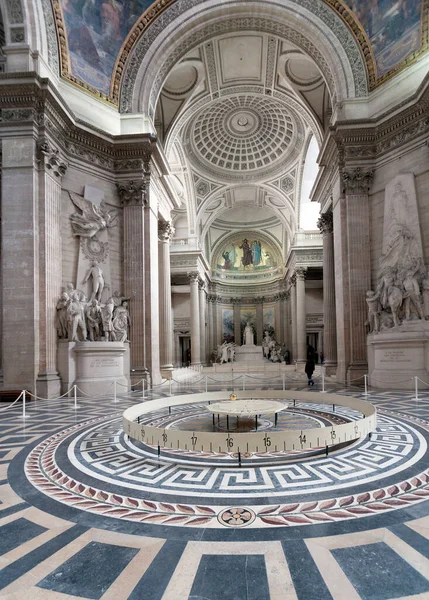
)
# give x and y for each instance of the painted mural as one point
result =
(96, 30)
(227, 325)
(246, 254)
(392, 26)
(269, 318)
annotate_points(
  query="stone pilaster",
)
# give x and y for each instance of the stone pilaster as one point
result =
(294, 349)
(326, 226)
(165, 232)
(236, 302)
(20, 248)
(301, 327)
(141, 271)
(195, 319)
(210, 328)
(357, 183)
(202, 306)
(259, 320)
(286, 320)
(51, 170)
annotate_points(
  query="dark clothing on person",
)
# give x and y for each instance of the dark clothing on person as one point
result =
(309, 370)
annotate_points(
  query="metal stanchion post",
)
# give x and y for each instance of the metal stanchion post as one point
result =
(206, 385)
(24, 415)
(416, 385)
(114, 391)
(284, 382)
(75, 396)
(244, 382)
(143, 389)
(171, 384)
(365, 378)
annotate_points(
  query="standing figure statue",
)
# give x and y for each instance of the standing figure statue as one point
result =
(62, 327)
(98, 282)
(93, 318)
(248, 335)
(413, 295)
(121, 322)
(76, 315)
(373, 302)
(107, 317)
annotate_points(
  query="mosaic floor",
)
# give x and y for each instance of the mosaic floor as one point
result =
(86, 512)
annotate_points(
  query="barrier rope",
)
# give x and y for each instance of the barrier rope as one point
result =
(13, 403)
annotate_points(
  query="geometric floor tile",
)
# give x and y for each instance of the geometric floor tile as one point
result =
(90, 572)
(378, 573)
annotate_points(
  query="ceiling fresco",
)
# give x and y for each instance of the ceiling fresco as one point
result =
(96, 36)
(393, 28)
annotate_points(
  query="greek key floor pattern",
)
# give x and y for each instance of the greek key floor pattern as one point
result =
(86, 512)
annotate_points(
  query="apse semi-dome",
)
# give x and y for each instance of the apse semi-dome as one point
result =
(243, 135)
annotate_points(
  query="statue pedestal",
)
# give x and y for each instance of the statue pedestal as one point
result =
(94, 366)
(397, 355)
(250, 354)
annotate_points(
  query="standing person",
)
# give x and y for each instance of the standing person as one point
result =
(309, 369)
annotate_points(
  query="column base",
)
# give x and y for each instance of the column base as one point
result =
(136, 375)
(300, 366)
(48, 385)
(330, 368)
(167, 371)
(355, 373)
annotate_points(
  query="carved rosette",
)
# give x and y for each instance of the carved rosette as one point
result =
(326, 223)
(357, 181)
(51, 159)
(94, 250)
(133, 193)
(165, 231)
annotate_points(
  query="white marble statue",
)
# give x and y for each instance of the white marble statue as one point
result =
(373, 302)
(76, 315)
(96, 274)
(120, 323)
(92, 219)
(107, 318)
(94, 319)
(248, 336)
(62, 319)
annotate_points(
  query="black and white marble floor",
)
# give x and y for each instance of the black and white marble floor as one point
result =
(87, 513)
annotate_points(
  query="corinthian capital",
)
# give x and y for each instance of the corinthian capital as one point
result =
(300, 273)
(133, 192)
(357, 181)
(52, 160)
(194, 277)
(165, 231)
(326, 223)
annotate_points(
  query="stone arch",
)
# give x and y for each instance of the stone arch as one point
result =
(178, 29)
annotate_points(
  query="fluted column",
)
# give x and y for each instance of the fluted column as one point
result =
(294, 350)
(326, 226)
(202, 305)
(210, 332)
(286, 319)
(20, 282)
(141, 275)
(51, 170)
(301, 327)
(259, 320)
(195, 319)
(166, 232)
(236, 302)
(356, 184)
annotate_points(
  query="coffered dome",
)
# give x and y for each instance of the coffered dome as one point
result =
(241, 135)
